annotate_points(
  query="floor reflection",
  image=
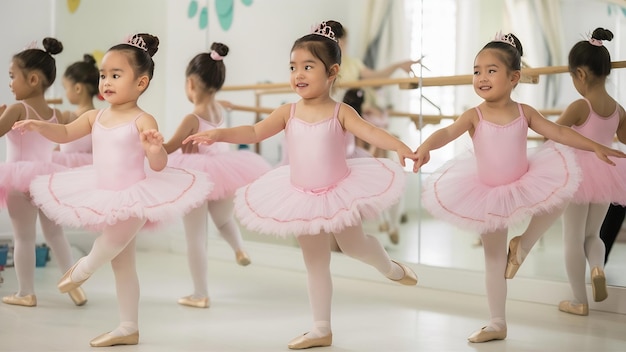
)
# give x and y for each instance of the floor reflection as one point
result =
(444, 245)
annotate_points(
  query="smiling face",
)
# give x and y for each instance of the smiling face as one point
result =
(492, 79)
(309, 77)
(118, 82)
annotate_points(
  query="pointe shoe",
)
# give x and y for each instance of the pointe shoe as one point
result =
(394, 237)
(302, 342)
(577, 309)
(107, 339)
(598, 284)
(26, 301)
(190, 301)
(242, 258)
(512, 263)
(383, 227)
(78, 296)
(66, 284)
(483, 335)
(409, 278)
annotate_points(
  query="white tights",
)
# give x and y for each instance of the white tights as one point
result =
(195, 223)
(23, 216)
(316, 252)
(495, 248)
(581, 238)
(116, 245)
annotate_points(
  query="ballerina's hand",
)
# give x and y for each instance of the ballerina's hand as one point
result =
(25, 125)
(422, 157)
(152, 139)
(605, 152)
(407, 154)
(206, 137)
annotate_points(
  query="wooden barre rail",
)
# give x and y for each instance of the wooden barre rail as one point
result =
(413, 82)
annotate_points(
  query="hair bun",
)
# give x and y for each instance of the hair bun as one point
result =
(52, 46)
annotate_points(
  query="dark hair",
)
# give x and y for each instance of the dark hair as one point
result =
(511, 55)
(596, 58)
(322, 47)
(41, 60)
(211, 72)
(85, 72)
(337, 28)
(140, 59)
(355, 97)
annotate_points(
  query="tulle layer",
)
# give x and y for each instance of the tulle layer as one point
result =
(72, 198)
(601, 182)
(455, 194)
(72, 159)
(18, 175)
(227, 170)
(271, 205)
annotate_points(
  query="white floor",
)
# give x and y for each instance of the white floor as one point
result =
(260, 308)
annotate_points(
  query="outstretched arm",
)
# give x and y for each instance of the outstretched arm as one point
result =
(249, 134)
(368, 73)
(443, 136)
(57, 132)
(373, 135)
(566, 135)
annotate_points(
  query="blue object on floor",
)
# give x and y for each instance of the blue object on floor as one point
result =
(42, 254)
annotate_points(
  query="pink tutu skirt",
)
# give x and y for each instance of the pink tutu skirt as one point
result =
(17, 175)
(72, 198)
(601, 182)
(272, 205)
(455, 194)
(227, 170)
(71, 159)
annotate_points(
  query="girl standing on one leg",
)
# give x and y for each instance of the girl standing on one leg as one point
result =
(320, 192)
(124, 194)
(228, 169)
(500, 184)
(32, 72)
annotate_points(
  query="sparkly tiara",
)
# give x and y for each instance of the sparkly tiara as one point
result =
(323, 30)
(136, 41)
(505, 38)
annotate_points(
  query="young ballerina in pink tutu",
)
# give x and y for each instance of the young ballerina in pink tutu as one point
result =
(228, 169)
(500, 183)
(599, 117)
(80, 81)
(122, 190)
(320, 192)
(32, 72)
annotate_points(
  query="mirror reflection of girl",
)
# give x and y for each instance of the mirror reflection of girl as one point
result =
(501, 184)
(80, 81)
(128, 184)
(31, 72)
(227, 169)
(320, 192)
(599, 117)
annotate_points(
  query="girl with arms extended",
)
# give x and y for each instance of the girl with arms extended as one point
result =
(229, 170)
(124, 194)
(32, 72)
(320, 192)
(80, 81)
(599, 117)
(501, 184)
